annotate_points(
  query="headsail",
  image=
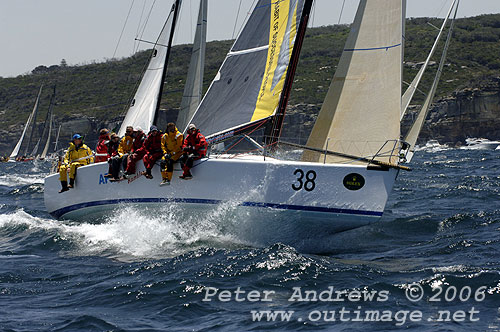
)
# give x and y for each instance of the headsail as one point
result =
(362, 107)
(408, 95)
(15, 152)
(412, 135)
(145, 104)
(249, 83)
(194, 83)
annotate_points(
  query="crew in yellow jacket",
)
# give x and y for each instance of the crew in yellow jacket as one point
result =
(77, 155)
(171, 144)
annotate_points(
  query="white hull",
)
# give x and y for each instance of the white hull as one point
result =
(252, 186)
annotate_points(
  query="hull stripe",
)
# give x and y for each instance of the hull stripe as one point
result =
(59, 213)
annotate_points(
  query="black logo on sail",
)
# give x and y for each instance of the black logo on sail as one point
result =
(354, 181)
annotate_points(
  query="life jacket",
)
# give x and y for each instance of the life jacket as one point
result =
(78, 152)
(125, 145)
(152, 144)
(197, 142)
(172, 142)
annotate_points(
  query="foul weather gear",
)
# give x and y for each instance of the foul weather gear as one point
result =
(75, 157)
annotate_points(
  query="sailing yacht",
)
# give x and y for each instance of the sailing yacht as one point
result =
(351, 159)
(14, 156)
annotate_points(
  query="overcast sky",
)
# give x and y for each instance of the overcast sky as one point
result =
(42, 32)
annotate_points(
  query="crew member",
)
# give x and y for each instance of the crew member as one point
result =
(194, 148)
(171, 144)
(136, 152)
(120, 159)
(77, 155)
(112, 147)
(152, 147)
(102, 146)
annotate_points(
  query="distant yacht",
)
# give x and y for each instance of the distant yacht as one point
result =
(481, 144)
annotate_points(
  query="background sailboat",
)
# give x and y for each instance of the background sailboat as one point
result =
(15, 152)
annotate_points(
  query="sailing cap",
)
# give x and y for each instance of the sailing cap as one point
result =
(191, 126)
(153, 128)
(138, 129)
(77, 136)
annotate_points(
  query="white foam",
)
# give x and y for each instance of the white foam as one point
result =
(12, 180)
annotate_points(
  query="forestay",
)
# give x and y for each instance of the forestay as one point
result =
(143, 107)
(249, 84)
(363, 104)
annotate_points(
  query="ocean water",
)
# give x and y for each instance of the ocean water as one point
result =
(430, 264)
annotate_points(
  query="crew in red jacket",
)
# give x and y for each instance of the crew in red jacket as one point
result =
(152, 146)
(102, 146)
(136, 153)
(194, 148)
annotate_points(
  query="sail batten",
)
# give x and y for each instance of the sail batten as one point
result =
(360, 113)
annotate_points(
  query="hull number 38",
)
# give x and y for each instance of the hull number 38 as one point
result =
(305, 180)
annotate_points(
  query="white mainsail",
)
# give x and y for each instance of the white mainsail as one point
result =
(143, 107)
(408, 95)
(362, 107)
(15, 152)
(413, 133)
(194, 83)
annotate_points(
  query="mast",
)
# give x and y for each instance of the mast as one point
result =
(169, 47)
(35, 111)
(277, 123)
(51, 118)
(193, 89)
(57, 138)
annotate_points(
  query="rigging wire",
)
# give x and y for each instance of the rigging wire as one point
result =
(440, 10)
(249, 12)
(341, 11)
(123, 29)
(236, 20)
(139, 26)
(145, 24)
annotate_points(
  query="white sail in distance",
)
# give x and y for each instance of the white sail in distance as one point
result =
(408, 95)
(47, 143)
(414, 132)
(142, 109)
(194, 83)
(15, 152)
(360, 113)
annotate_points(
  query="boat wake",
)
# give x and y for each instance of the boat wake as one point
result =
(433, 146)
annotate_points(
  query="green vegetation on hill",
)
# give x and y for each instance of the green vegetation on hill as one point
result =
(102, 90)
